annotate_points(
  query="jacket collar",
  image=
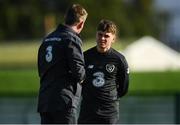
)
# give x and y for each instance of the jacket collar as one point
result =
(62, 27)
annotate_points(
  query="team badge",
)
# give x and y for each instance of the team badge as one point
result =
(110, 67)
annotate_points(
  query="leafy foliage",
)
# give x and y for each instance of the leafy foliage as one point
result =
(25, 19)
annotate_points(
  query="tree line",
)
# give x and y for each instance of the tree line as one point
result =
(32, 19)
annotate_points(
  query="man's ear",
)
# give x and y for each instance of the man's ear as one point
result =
(80, 25)
(114, 39)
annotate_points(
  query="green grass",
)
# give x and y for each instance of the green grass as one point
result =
(155, 82)
(23, 82)
(24, 54)
(17, 79)
(18, 54)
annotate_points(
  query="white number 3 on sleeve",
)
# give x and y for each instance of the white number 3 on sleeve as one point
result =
(49, 55)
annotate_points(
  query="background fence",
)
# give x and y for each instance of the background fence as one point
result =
(133, 109)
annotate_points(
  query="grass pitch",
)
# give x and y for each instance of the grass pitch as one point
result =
(24, 82)
(19, 77)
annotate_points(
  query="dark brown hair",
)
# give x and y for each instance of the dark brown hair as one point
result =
(107, 26)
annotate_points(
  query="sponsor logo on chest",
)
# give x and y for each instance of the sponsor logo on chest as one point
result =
(90, 66)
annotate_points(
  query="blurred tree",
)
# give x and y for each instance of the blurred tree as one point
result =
(33, 19)
(20, 19)
(142, 17)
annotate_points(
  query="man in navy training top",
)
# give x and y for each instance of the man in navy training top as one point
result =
(61, 70)
(107, 79)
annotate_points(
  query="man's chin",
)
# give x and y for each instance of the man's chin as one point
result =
(102, 47)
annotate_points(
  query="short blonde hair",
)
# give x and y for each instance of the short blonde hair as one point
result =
(74, 14)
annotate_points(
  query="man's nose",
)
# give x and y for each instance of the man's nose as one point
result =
(103, 38)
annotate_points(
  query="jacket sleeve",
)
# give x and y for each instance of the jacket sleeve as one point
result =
(75, 61)
(123, 78)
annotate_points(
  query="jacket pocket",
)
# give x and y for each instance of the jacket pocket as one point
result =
(67, 98)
